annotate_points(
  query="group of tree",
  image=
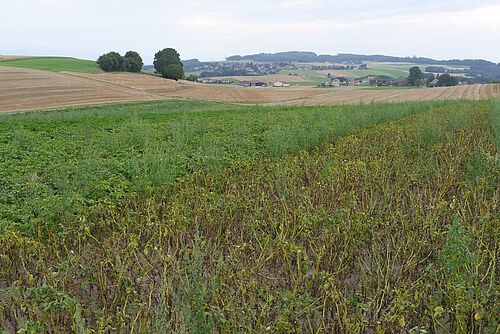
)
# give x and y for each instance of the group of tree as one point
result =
(418, 78)
(115, 62)
(167, 63)
(446, 80)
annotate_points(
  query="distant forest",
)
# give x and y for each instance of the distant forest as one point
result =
(300, 56)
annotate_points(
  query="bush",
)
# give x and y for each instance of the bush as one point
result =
(192, 77)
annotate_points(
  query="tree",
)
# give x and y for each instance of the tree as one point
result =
(168, 63)
(111, 62)
(132, 62)
(416, 76)
(446, 80)
(192, 77)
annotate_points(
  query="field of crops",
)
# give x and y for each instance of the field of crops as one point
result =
(388, 72)
(198, 217)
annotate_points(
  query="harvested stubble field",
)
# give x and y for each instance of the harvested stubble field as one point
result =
(12, 57)
(184, 89)
(346, 96)
(26, 89)
(195, 217)
(290, 95)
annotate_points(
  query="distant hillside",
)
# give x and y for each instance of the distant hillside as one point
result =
(300, 56)
(54, 64)
(191, 64)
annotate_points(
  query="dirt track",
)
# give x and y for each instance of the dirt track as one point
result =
(26, 89)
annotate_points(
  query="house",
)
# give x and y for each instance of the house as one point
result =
(253, 83)
(403, 81)
(335, 82)
(281, 84)
(433, 83)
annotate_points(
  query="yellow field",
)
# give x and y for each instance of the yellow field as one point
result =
(12, 57)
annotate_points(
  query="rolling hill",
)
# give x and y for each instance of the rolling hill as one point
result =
(53, 64)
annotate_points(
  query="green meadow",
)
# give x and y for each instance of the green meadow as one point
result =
(388, 72)
(53, 64)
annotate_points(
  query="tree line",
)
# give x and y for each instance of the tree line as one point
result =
(302, 56)
(167, 63)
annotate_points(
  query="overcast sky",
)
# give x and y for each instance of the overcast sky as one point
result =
(212, 30)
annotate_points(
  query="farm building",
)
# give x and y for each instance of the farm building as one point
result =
(206, 80)
(281, 84)
(214, 81)
(253, 83)
(340, 81)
